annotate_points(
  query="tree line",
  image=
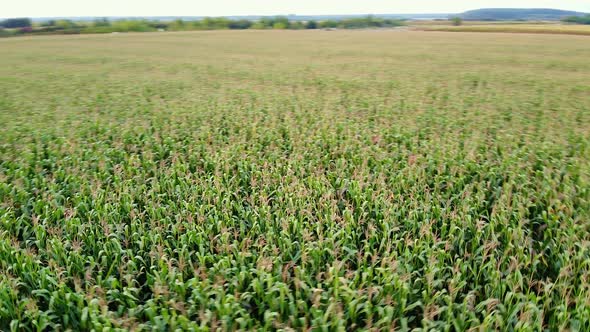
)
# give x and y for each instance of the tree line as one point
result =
(578, 19)
(104, 25)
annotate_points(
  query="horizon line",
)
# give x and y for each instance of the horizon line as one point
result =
(275, 15)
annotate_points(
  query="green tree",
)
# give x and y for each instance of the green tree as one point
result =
(65, 24)
(49, 23)
(258, 25)
(457, 21)
(279, 26)
(578, 19)
(240, 24)
(177, 25)
(311, 24)
(132, 26)
(102, 22)
(329, 24)
(212, 23)
(16, 23)
(281, 22)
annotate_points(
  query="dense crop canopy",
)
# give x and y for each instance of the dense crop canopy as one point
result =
(264, 180)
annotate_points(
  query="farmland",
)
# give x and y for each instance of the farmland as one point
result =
(295, 179)
(510, 27)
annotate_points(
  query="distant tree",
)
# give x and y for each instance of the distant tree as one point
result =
(65, 24)
(311, 24)
(296, 25)
(258, 25)
(16, 23)
(457, 21)
(267, 22)
(159, 25)
(279, 26)
(577, 19)
(240, 24)
(281, 22)
(179, 22)
(49, 23)
(368, 22)
(211, 23)
(101, 22)
(354, 23)
(328, 24)
(177, 25)
(131, 26)
(394, 22)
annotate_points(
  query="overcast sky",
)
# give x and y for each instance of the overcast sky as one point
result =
(45, 8)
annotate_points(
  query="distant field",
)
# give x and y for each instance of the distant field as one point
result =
(326, 180)
(512, 27)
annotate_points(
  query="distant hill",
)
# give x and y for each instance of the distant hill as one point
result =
(516, 14)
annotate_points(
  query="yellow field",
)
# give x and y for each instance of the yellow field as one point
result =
(547, 28)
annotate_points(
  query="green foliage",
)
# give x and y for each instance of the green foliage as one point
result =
(368, 22)
(328, 24)
(50, 23)
(578, 19)
(178, 25)
(279, 26)
(311, 24)
(131, 26)
(240, 24)
(457, 21)
(278, 22)
(363, 182)
(296, 25)
(210, 23)
(101, 22)
(258, 25)
(12, 23)
(65, 24)
(6, 33)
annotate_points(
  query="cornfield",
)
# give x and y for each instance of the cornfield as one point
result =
(266, 180)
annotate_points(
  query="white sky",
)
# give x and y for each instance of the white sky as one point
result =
(45, 8)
